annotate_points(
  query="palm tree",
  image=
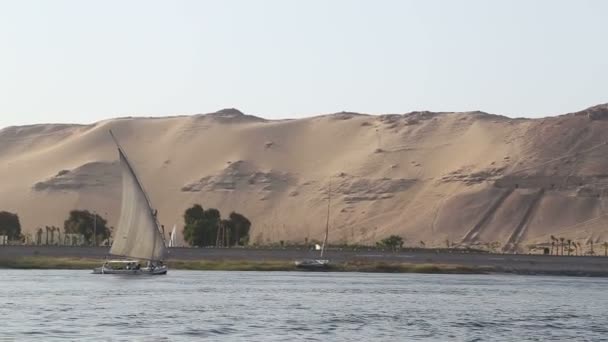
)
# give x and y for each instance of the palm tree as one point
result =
(569, 246)
(561, 240)
(590, 242)
(553, 239)
(575, 248)
(39, 236)
(52, 230)
(556, 246)
(47, 228)
(422, 244)
(605, 248)
(59, 236)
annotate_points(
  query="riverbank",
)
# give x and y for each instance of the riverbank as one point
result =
(42, 262)
(342, 260)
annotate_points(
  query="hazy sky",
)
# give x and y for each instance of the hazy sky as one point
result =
(84, 61)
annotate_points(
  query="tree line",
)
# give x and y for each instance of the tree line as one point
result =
(203, 227)
(91, 226)
(559, 245)
(206, 227)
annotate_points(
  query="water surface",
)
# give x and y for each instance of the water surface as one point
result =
(47, 305)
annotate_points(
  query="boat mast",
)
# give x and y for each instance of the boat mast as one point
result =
(327, 223)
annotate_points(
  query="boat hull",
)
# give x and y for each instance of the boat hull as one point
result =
(142, 271)
(312, 264)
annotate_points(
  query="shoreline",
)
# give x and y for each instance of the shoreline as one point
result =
(70, 263)
(342, 260)
(63, 263)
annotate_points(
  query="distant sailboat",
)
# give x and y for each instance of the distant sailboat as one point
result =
(172, 237)
(319, 263)
(137, 235)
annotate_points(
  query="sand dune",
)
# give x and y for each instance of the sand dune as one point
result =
(467, 177)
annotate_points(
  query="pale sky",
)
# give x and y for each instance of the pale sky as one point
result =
(74, 61)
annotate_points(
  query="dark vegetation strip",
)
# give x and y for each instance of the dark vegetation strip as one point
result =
(40, 262)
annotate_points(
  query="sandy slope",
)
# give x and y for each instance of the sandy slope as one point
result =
(463, 177)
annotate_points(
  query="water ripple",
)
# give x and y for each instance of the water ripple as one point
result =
(277, 306)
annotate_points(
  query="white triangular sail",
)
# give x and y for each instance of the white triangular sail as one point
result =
(172, 237)
(137, 234)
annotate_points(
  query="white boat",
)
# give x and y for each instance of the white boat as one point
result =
(137, 237)
(320, 263)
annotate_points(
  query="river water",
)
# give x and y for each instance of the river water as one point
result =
(47, 305)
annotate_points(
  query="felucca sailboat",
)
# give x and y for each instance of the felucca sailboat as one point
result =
(319, 263)
(137, 237)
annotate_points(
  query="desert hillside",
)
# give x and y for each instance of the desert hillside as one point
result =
(465, 177)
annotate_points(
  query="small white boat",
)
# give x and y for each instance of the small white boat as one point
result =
(316, 264)
(312, 263)
(137, 235)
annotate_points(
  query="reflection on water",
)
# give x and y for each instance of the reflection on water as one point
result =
(274, 306)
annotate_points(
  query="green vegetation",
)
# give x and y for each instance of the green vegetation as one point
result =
(392, 242)
(207, 228)
(201, 225)
(385, 267)
(230, 265)
(239, 228)
(92, 226)
(39, 262)
(10, 225)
